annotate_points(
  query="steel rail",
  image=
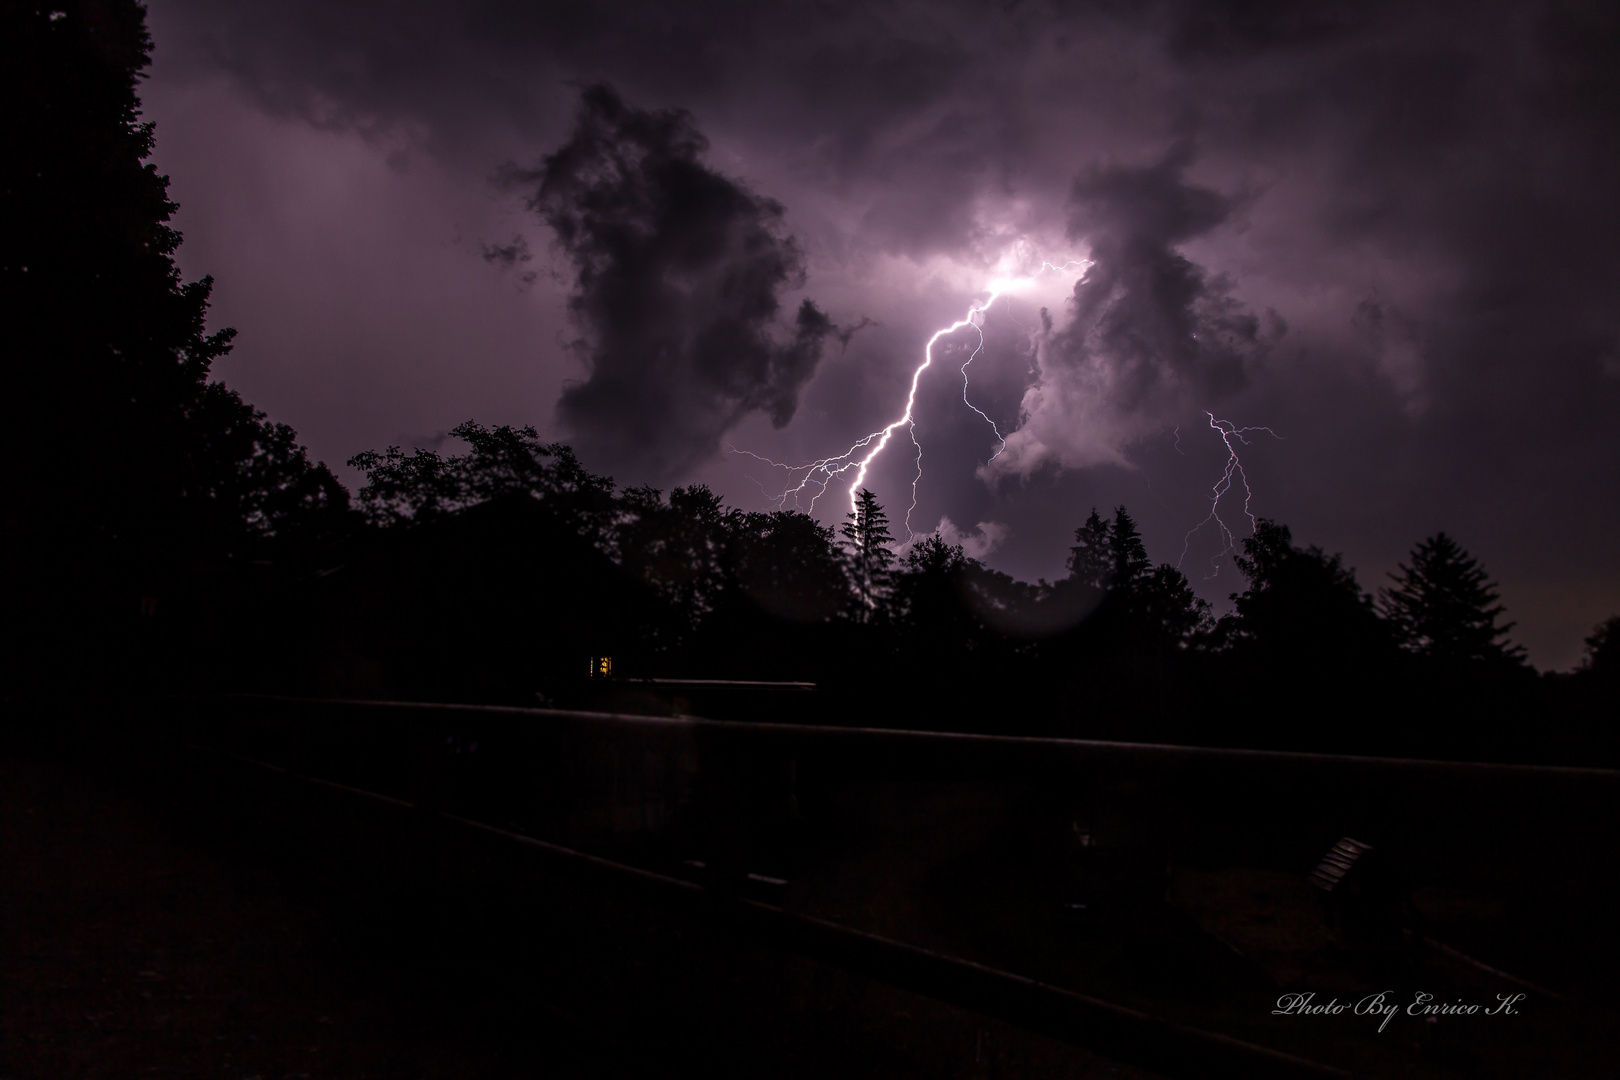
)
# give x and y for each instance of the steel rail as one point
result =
(834, 734)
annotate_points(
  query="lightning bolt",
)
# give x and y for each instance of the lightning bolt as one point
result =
(1233, 473)
(979, 326)
(819, 475)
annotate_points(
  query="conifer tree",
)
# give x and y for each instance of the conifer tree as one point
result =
(1444, 607)
(1108, 555)
(1130, 565)
(1091, 558)
(1109, 566)
(123, 470)
(869, 557)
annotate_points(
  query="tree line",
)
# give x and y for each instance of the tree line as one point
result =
(922, 634)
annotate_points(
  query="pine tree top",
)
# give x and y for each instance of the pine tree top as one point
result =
(1445, 607)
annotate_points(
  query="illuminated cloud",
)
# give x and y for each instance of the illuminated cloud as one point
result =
(1146, 333)
(986, 537)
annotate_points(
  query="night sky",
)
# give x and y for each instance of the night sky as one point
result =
(1386, 232)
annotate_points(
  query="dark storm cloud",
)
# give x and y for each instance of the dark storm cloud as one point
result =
(1146, 331)
(1233, 28)
(679, 276)
(832, 85)
(514, 256)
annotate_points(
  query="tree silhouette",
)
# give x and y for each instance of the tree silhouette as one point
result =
(420, 486)
(1169, 609)
(248, 486)
(1111, 575)
(1444, 607)
(1108, 556)
(867, 554)
(783, 585)
(939, 634)
(123, 470)
(1128, 558)
(1603, 650)
(787, 564)
(1305, 652)
(1091, 560)
(679, 547)
(1304, 660)
(928, 591)
(1122, 628)
(933, 557)
(1301, 603)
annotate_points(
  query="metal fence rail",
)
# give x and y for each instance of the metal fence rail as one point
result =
(613, 788)
(1126, 1034)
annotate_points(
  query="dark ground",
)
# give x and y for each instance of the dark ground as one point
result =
(136, 947)
(135, 941)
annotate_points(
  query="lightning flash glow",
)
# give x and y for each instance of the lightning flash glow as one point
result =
(815, 477)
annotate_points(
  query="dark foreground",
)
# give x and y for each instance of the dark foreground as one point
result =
(139, 944)
(276, 887)
(143, 939)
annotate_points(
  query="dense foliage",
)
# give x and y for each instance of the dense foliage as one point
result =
(124, 472)
(921, 634)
